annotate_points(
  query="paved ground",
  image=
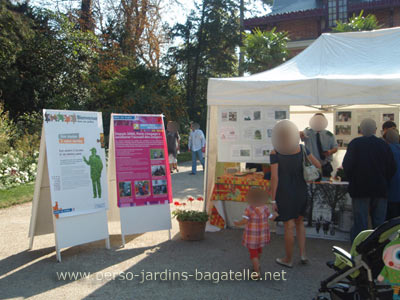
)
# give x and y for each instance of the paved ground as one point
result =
(33, 274)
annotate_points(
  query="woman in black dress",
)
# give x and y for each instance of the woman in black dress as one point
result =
(173, 140)
(288, 187)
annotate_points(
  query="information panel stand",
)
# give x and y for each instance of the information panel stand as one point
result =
(139, 178)
(71, 212)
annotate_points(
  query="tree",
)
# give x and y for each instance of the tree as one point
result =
(139, 30)
(264, 50)
(208, 49)
(242, 9)
(141, 90)
(357, 23)
(50, 62)
(86, 18)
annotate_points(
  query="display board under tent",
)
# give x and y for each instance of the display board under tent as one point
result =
(347, 121)
(244, 133)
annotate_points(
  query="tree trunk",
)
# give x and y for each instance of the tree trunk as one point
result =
(86, 19)
(200, 37)
(241, 30)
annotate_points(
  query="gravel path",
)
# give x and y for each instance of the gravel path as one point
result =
(118, 273)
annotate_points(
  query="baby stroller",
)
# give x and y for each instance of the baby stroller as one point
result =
(356, 272)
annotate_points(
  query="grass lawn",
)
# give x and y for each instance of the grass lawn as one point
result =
(184, 156)
(16, 195)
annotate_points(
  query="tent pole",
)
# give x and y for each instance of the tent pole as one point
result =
(206, 160)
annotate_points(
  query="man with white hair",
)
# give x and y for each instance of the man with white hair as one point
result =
(369, 166)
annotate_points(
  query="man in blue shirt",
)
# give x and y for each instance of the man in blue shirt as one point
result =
(393, 208)
(369, 166)
(197, 144)
(320, 142)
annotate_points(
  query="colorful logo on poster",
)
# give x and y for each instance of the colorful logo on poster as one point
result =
(68, 118)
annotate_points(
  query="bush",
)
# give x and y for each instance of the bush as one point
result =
(28, 133)
(19, 148)
(184, 141)
(7, 130)
(358, 23)
(17, 168)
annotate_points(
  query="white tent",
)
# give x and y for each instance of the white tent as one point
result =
(337, 69)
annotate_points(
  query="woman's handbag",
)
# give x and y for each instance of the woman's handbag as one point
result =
(310, 172)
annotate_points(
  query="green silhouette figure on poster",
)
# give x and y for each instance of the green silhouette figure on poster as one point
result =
(96, 166)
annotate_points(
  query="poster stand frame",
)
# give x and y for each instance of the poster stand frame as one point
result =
(68, 231)
(133, 219)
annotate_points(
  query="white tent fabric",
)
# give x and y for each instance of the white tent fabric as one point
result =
(338, 68)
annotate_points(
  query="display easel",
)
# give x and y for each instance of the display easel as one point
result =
(68, 231)
(136, 219)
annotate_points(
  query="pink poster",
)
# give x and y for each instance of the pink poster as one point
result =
(141, 157)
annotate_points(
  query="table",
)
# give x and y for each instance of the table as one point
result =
(230, 187)
(234, 188)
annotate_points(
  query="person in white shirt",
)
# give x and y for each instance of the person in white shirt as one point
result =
(197, 144)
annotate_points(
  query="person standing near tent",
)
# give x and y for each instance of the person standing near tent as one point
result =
(387, 126)
(173, 140)
(197, 144)
(369, 166)
(256, 233)
(393, 207)
(320, 142)
(288, 186)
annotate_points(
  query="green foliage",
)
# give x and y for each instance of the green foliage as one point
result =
(142, 90)
(184, 156)
(264, 50)
(19, 145)
(48, 60)
(208, 49)
(17, 168)
(357, 23)
(7, 130)
(28, 133)
(184, 141)
(190, 215)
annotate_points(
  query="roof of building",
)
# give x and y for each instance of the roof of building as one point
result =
(289, 6)
(284, 9)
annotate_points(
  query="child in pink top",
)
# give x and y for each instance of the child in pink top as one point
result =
(256, 233)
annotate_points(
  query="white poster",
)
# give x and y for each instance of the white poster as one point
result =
(228, 133)
(347, 122)
(76, 161)
(244, 133)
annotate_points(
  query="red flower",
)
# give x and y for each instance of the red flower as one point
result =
(200, 199)
(183, 204)
(190, 199)
(176, 203)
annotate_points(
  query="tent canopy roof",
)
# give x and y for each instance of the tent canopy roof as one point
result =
(338, 68)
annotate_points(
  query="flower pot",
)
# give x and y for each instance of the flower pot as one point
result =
(192, 231)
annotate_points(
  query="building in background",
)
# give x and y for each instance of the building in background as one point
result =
(305, 20)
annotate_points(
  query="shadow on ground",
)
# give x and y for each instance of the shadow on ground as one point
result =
(219, 252)
(34, 273)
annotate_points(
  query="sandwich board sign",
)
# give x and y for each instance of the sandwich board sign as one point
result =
(139, 177)
(70, 196)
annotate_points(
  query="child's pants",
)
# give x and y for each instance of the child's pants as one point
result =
(255, 253)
